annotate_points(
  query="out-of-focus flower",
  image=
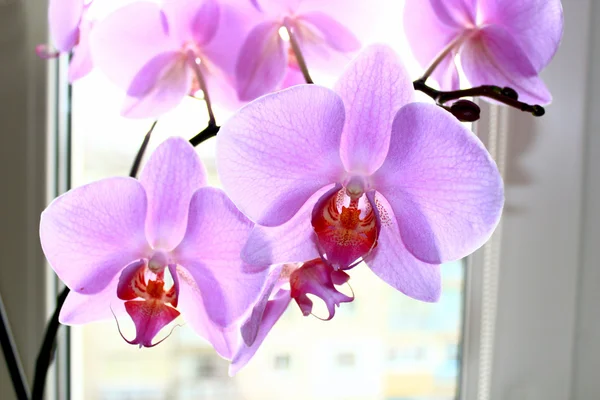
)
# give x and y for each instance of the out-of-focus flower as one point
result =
(161, 54)
(360, 173)
(153, 249)
(505, 43)
(286, 283)
(267, 62)
(70, 32)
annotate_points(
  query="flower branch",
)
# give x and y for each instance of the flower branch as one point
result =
(210, 131)
(46, 354)
(296, 50)
(195, 63)
(13, 364)
(505, 95)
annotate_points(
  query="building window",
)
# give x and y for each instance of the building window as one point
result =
(282, 362)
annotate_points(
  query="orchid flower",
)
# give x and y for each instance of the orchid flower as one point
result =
(506, 43)
(268, 61)
(70, 32)
(159, 55)
(119, 242)
(285, 283)
(360, 173)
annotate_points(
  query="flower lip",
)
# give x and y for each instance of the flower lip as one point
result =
(346, 225)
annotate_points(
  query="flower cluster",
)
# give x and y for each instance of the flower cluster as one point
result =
(316, 181)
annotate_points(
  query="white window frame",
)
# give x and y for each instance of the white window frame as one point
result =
(539, 277)
(532, 321)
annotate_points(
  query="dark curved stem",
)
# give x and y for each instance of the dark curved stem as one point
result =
(140, 154)
(492, 92)
(11, 356)
(46, 354)
(210, 131)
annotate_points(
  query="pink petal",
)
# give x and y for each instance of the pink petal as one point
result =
(64, 17)
(522, 19)
(446, 74)
(236, 22)
(127, 39)
(102, 306)
(293, 241)
(445, 190)
(81, 59)
(393, 263)
(427, 38)
(494, 57)
(189, 20)
(171, 176)
(149, 317)
(261, 62)
(158, 87)
(336, 35)
(221, 53)
(455, 13)
(276, 152)
(277, 7)
(92, 232)
(255, 4)
(210, 252)
(374, 87)
(249, 328)
(191, 305)
(293, 77)
(273, 311)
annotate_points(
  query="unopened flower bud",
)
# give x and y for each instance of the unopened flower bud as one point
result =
(538, 111)
(511, 93)
(465, 111)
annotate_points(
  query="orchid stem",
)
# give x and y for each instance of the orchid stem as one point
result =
(13, 362)
(454, 43)
(492, 92)
(297, 53)
(207, 133)
(195, 62)
(46, 353)
(140, 154)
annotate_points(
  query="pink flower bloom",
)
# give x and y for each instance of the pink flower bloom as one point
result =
(286, 283)
(500, 42)
(158, 55)
(70, 32)
(360, 173)
(266, 61)
(115, 243)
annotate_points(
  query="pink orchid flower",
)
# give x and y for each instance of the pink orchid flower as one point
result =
(506, 43)
(360, 173)
(119, 242)
(159, 55)
(70, 33)
(286, 283)
(266, 61)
